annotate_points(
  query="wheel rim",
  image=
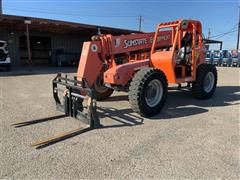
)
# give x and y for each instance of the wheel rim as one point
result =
(154, 93)
(209, 82)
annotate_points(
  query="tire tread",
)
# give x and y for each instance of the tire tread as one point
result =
(137, 85)
(197, 86)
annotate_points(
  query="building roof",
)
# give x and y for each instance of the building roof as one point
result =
(12, 22)
(211, 41)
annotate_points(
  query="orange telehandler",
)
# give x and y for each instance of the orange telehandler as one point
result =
(141, 64)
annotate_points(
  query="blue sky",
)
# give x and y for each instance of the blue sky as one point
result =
(219, 15)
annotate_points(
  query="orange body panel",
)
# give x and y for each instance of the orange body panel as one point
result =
(91, 61)
(122, 74)
(90, 64)
(133, 42)
(119, 57)
(163, 60)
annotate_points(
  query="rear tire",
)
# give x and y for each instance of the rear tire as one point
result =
(148, 92)
(206, 81)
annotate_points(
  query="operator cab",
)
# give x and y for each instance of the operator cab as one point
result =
(184, 54)
(185, 51)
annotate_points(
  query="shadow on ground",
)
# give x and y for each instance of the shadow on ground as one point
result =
(176, 107)
(181, 103)
(123, 116)
(38, 70)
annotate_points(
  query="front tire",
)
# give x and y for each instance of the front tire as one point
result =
(101, 92)
(206, 81)
(148, 92)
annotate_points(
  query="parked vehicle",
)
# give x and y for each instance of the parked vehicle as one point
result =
(216, 57)
(226, 58)
(208, 57)
(5, 60)
(235, 58)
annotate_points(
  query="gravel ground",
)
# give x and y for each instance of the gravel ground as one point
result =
(188, 139)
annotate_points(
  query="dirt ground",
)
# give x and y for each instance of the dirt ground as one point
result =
(189, 139)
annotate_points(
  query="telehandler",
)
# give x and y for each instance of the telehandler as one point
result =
(141, 64)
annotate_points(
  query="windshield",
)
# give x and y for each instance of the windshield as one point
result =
(225, 54)
(208, 54)
(216, 54)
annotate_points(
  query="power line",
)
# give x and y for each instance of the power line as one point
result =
(71, 14)
(68, 12)
(226, 34)
(230, 31)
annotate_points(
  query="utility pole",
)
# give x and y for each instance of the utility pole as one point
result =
(238, 29)
(28, 22)
(209, 33)
(0, 6)
(140, 23)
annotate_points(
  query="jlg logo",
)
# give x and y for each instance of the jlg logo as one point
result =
(134, 42)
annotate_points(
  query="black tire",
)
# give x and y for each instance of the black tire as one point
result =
(139, 87)
(9, 67)
(103, 95)
(198, 89)
(101, 92)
